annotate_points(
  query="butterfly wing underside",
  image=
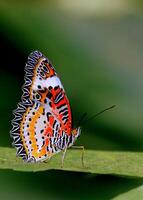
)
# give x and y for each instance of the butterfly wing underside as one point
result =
(42, 125)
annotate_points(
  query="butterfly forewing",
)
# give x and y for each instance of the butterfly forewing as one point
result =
(42, 125)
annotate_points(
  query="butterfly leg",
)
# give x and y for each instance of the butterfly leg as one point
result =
(47, 160)
(82, 153)
(63, 156)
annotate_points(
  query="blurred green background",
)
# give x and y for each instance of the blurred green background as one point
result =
(97, 49)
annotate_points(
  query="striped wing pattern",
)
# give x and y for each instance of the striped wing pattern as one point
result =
(42, 124)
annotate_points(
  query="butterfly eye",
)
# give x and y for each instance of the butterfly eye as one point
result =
(74, 132)
(37, 96)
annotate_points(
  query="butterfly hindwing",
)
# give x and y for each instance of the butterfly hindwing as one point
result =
(42, 125)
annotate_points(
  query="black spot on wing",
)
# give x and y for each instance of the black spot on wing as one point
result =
(48, 114)
(59, 97)
(49, 95)
(60, 106)
(65, 113)
(62, 111)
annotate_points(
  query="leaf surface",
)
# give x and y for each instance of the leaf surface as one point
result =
(97, 162)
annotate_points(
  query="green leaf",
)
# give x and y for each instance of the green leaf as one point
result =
(136, 193)
(98, 162)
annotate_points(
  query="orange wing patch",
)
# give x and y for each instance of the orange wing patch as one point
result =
(42, 125)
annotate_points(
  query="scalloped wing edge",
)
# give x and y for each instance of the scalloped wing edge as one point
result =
(22, 106)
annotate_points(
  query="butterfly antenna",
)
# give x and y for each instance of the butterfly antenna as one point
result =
(82, 118)
(95, 115)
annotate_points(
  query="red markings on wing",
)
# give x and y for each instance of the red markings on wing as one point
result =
(51, 94)
(49, 130)
(51, 70)
(64, 101)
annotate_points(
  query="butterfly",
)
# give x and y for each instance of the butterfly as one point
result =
(42, 124)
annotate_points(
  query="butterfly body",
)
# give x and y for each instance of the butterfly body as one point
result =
(42, 125)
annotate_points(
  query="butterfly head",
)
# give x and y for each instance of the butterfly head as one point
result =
(76, 132)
